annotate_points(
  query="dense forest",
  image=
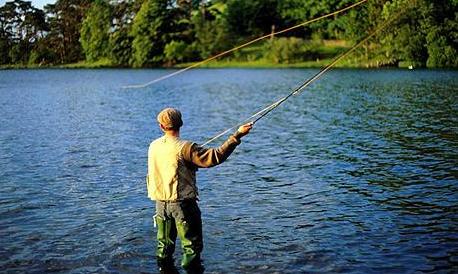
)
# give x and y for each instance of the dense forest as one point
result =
(148, 33)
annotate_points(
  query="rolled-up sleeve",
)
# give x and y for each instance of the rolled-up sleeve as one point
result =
(208, 157)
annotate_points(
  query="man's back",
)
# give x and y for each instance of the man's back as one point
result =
(170, 178)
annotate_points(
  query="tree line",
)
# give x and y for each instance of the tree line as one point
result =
(147, 33)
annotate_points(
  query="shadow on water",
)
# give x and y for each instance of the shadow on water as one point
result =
(357, 174)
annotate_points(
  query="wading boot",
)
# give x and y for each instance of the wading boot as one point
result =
(166, 237)
(167, 266)
(195, 267)
(191, 243)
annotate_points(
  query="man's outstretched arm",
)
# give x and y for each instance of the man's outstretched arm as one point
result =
(208, 157)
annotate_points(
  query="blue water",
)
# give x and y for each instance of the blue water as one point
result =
(357, 174)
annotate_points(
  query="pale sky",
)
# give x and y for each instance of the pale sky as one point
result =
(36, 3)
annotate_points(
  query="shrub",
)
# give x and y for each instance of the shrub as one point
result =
(440, 52)
(175, 51)
(289, 50)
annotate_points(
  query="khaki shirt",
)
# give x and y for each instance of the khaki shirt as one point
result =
(172, 166)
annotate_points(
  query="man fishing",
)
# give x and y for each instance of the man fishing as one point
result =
(171, 182)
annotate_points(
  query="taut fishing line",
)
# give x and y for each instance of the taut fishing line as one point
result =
(242, 46)
(263, 112)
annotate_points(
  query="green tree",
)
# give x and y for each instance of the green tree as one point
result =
(441, 51)
(211, 30)
(65, 17)
(6, 34)
(120, 41)
(175, 51)
(402, 40)
(297, 11)
(21, 27)
(149, 31)
(252, 18)
(95, 31)
(42, 54)
(120, 47)
(425, 33)
(441, 31)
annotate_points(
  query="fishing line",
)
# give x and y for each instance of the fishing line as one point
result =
(263, 112)
(242, 46)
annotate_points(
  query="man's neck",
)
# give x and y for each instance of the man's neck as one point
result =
(172, 133)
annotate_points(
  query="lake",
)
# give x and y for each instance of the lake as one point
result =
(357, 174)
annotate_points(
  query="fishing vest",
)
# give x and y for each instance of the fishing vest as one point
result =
(169, 179)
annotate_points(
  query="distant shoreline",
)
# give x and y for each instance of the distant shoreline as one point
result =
(216, 64)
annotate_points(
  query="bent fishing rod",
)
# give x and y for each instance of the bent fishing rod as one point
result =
(242, 46)
(263, 112)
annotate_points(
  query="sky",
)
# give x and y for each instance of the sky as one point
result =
(36, 3)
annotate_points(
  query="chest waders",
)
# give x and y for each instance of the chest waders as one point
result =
(182, 219)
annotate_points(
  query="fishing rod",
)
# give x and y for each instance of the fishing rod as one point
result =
(242, 46)
(263, 112)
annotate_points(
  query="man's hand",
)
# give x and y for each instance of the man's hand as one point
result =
(244, 129)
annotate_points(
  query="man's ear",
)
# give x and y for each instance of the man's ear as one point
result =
(162, 127)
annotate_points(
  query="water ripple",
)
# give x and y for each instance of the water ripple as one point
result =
(358, 174)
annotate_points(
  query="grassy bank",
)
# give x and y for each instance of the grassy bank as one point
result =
(257, 64)
(280, 53)
(104, 63)
(265, 64)
(212, 64)
(288, 54)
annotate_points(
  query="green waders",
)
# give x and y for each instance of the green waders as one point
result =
(166, 236)
(180, 218)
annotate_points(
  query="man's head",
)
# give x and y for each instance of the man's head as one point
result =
(170, 119)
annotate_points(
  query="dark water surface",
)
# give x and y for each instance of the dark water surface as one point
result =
(358, 174)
